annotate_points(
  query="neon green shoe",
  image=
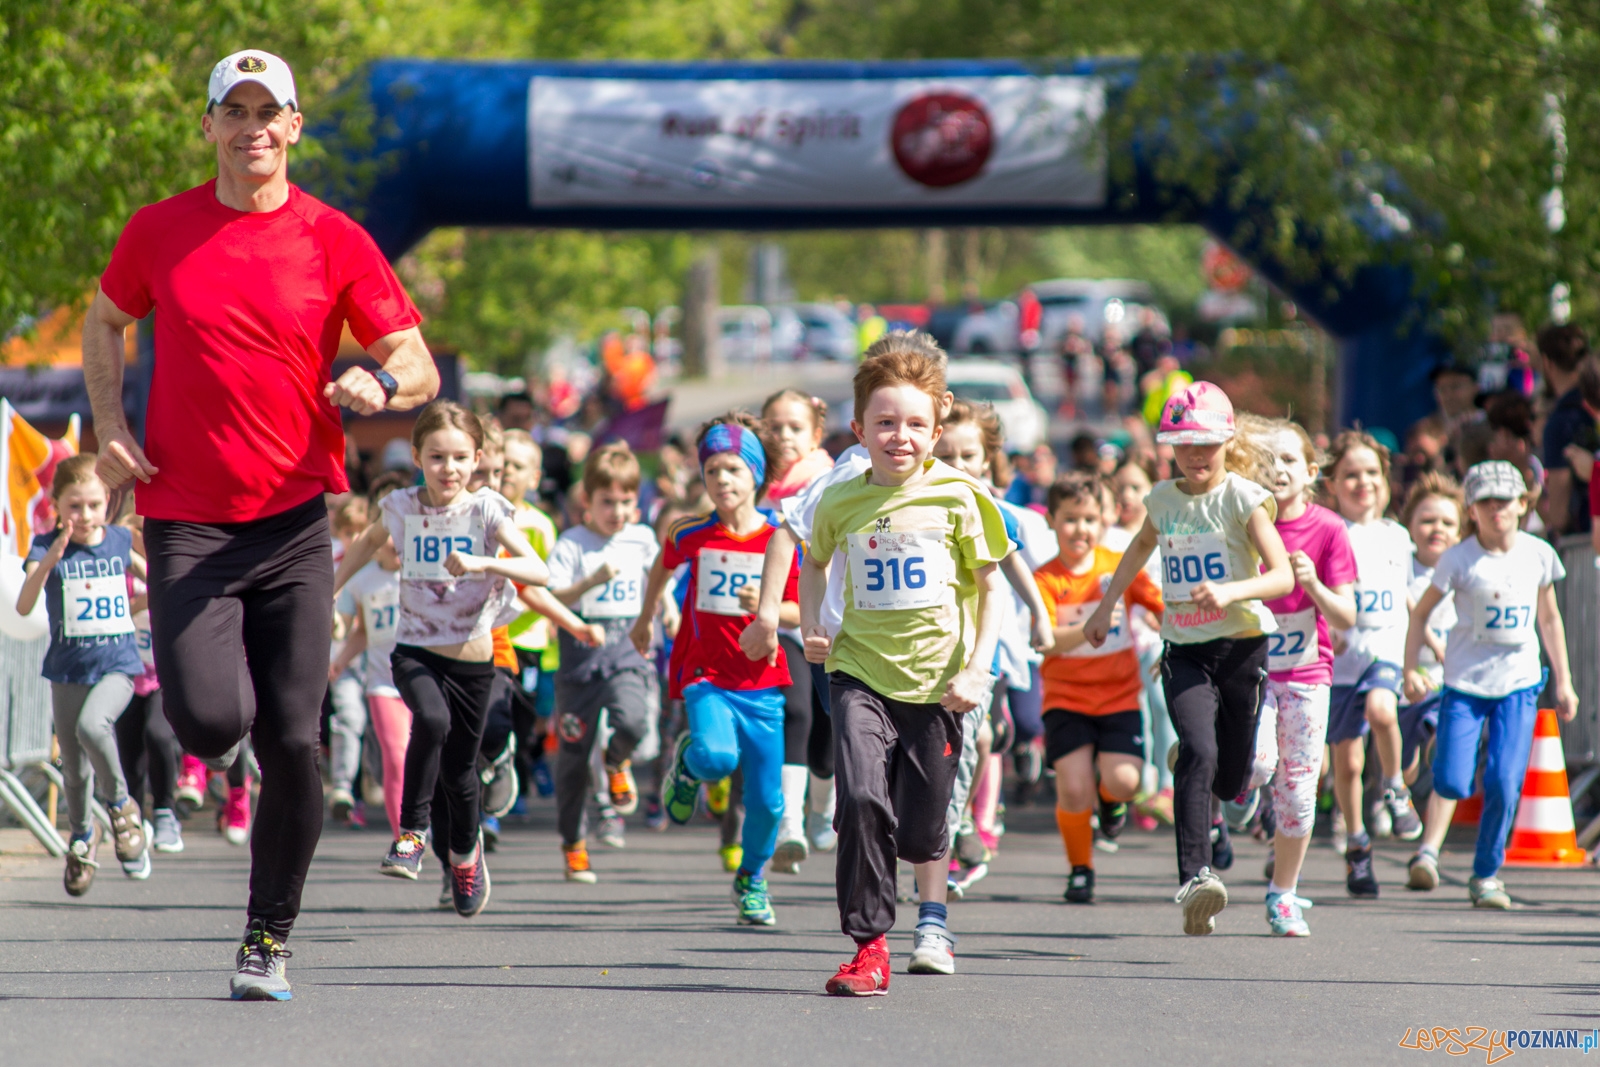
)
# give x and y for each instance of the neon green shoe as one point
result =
(755, 907)
(717, 794)
(681, 789)
(732, 857)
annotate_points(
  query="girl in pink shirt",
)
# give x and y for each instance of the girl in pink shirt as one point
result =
(1294, 715)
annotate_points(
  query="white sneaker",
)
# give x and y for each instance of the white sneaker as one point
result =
(1341, 833)
(791, 851)
(1202, 897)
(819, 828)
(934, 952)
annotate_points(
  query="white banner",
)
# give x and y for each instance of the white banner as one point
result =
(867, 142)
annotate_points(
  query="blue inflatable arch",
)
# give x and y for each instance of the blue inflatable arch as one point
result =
(804, 145)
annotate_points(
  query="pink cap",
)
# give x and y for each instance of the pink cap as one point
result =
(1200, 414)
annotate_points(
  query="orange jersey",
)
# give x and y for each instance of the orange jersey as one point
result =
(1094, 681)
(504, 654)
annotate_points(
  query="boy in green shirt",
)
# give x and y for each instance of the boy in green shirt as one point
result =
(914, 652)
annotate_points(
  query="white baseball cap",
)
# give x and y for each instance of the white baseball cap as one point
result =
(252, 65)
(1494, 479)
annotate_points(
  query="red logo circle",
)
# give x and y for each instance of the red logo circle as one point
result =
(942, 139)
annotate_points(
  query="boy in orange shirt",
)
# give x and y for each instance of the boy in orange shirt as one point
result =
(1091, 695)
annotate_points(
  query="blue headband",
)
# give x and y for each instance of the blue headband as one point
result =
(731, 437)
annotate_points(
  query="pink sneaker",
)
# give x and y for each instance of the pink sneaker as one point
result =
(234, 819)
(190, 794)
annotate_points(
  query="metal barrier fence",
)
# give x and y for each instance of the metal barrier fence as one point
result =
(1579, 597)
(25, 733)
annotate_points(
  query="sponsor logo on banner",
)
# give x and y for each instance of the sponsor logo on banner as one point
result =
(847, 142)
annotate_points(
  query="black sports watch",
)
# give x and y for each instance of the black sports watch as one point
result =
(387, 383)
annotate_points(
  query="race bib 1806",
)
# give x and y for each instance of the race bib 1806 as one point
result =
(377, 615)
(1118, 639)
(1502, 621)
(429, 541)
(1189, 559)
(719, 577)
(898, 571)
(95, 607)
(1295, 643)
(620, 598)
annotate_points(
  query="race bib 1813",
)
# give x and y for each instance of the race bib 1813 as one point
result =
(429, 541)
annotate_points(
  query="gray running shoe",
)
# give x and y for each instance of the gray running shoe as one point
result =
(260, 971)
(1489, 893)
(1402, 814)
(934, 952)
(1202, 897)
(447, 895)
(1422, 873)
(613, 831)
(499, 778)
(167, 833)
(138, 869)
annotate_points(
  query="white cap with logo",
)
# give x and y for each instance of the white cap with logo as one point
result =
(252, 65)
(1494, 479)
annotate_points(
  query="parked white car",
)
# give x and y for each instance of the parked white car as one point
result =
(990, 381)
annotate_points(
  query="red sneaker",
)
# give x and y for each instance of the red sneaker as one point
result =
(865, 976)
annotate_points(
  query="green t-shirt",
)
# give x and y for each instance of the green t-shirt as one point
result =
(910, 596)
(1206, 538)
(530, 631)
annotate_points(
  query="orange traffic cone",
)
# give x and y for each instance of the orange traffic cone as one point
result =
(1544, 834)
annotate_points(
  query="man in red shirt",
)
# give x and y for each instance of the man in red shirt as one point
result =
(252, 282)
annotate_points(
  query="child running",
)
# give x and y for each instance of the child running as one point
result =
(1366, 674)
(453, 591)
(1092, 724)
(1215, 530)
(83, 569)
(796, 423)
(1503, 580)
(912, 654)
(1294, 716)
(1433, 514)
(735, 706)
(600, 568)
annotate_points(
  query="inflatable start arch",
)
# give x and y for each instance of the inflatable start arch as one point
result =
(800, 145)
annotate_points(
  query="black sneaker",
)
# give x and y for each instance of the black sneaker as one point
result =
(470, 885)
(1221, 847)
(260, 971)
(404, 858)
(1359, 878)
(1113, 817)
(1080, 886)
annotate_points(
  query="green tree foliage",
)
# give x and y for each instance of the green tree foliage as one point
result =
(1440, 106)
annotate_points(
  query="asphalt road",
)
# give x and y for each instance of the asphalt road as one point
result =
(648, 967)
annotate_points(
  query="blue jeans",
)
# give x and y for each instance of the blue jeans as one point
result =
(1455, 761)
(732, 729)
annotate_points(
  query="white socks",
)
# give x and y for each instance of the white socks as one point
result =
(823, 798)
(792, 823)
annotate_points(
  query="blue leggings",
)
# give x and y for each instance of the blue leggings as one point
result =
(731, 729)
(1455, 761)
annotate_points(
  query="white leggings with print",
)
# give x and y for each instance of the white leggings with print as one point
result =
(1289, 741)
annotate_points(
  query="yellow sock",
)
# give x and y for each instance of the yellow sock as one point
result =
(1078, 837)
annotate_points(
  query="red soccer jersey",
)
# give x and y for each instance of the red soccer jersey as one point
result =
(707, 646)
(249, 308)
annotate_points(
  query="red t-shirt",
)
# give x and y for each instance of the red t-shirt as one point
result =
(707, 646)
(250, 306)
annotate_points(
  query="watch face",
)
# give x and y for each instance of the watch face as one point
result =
(387, 381)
